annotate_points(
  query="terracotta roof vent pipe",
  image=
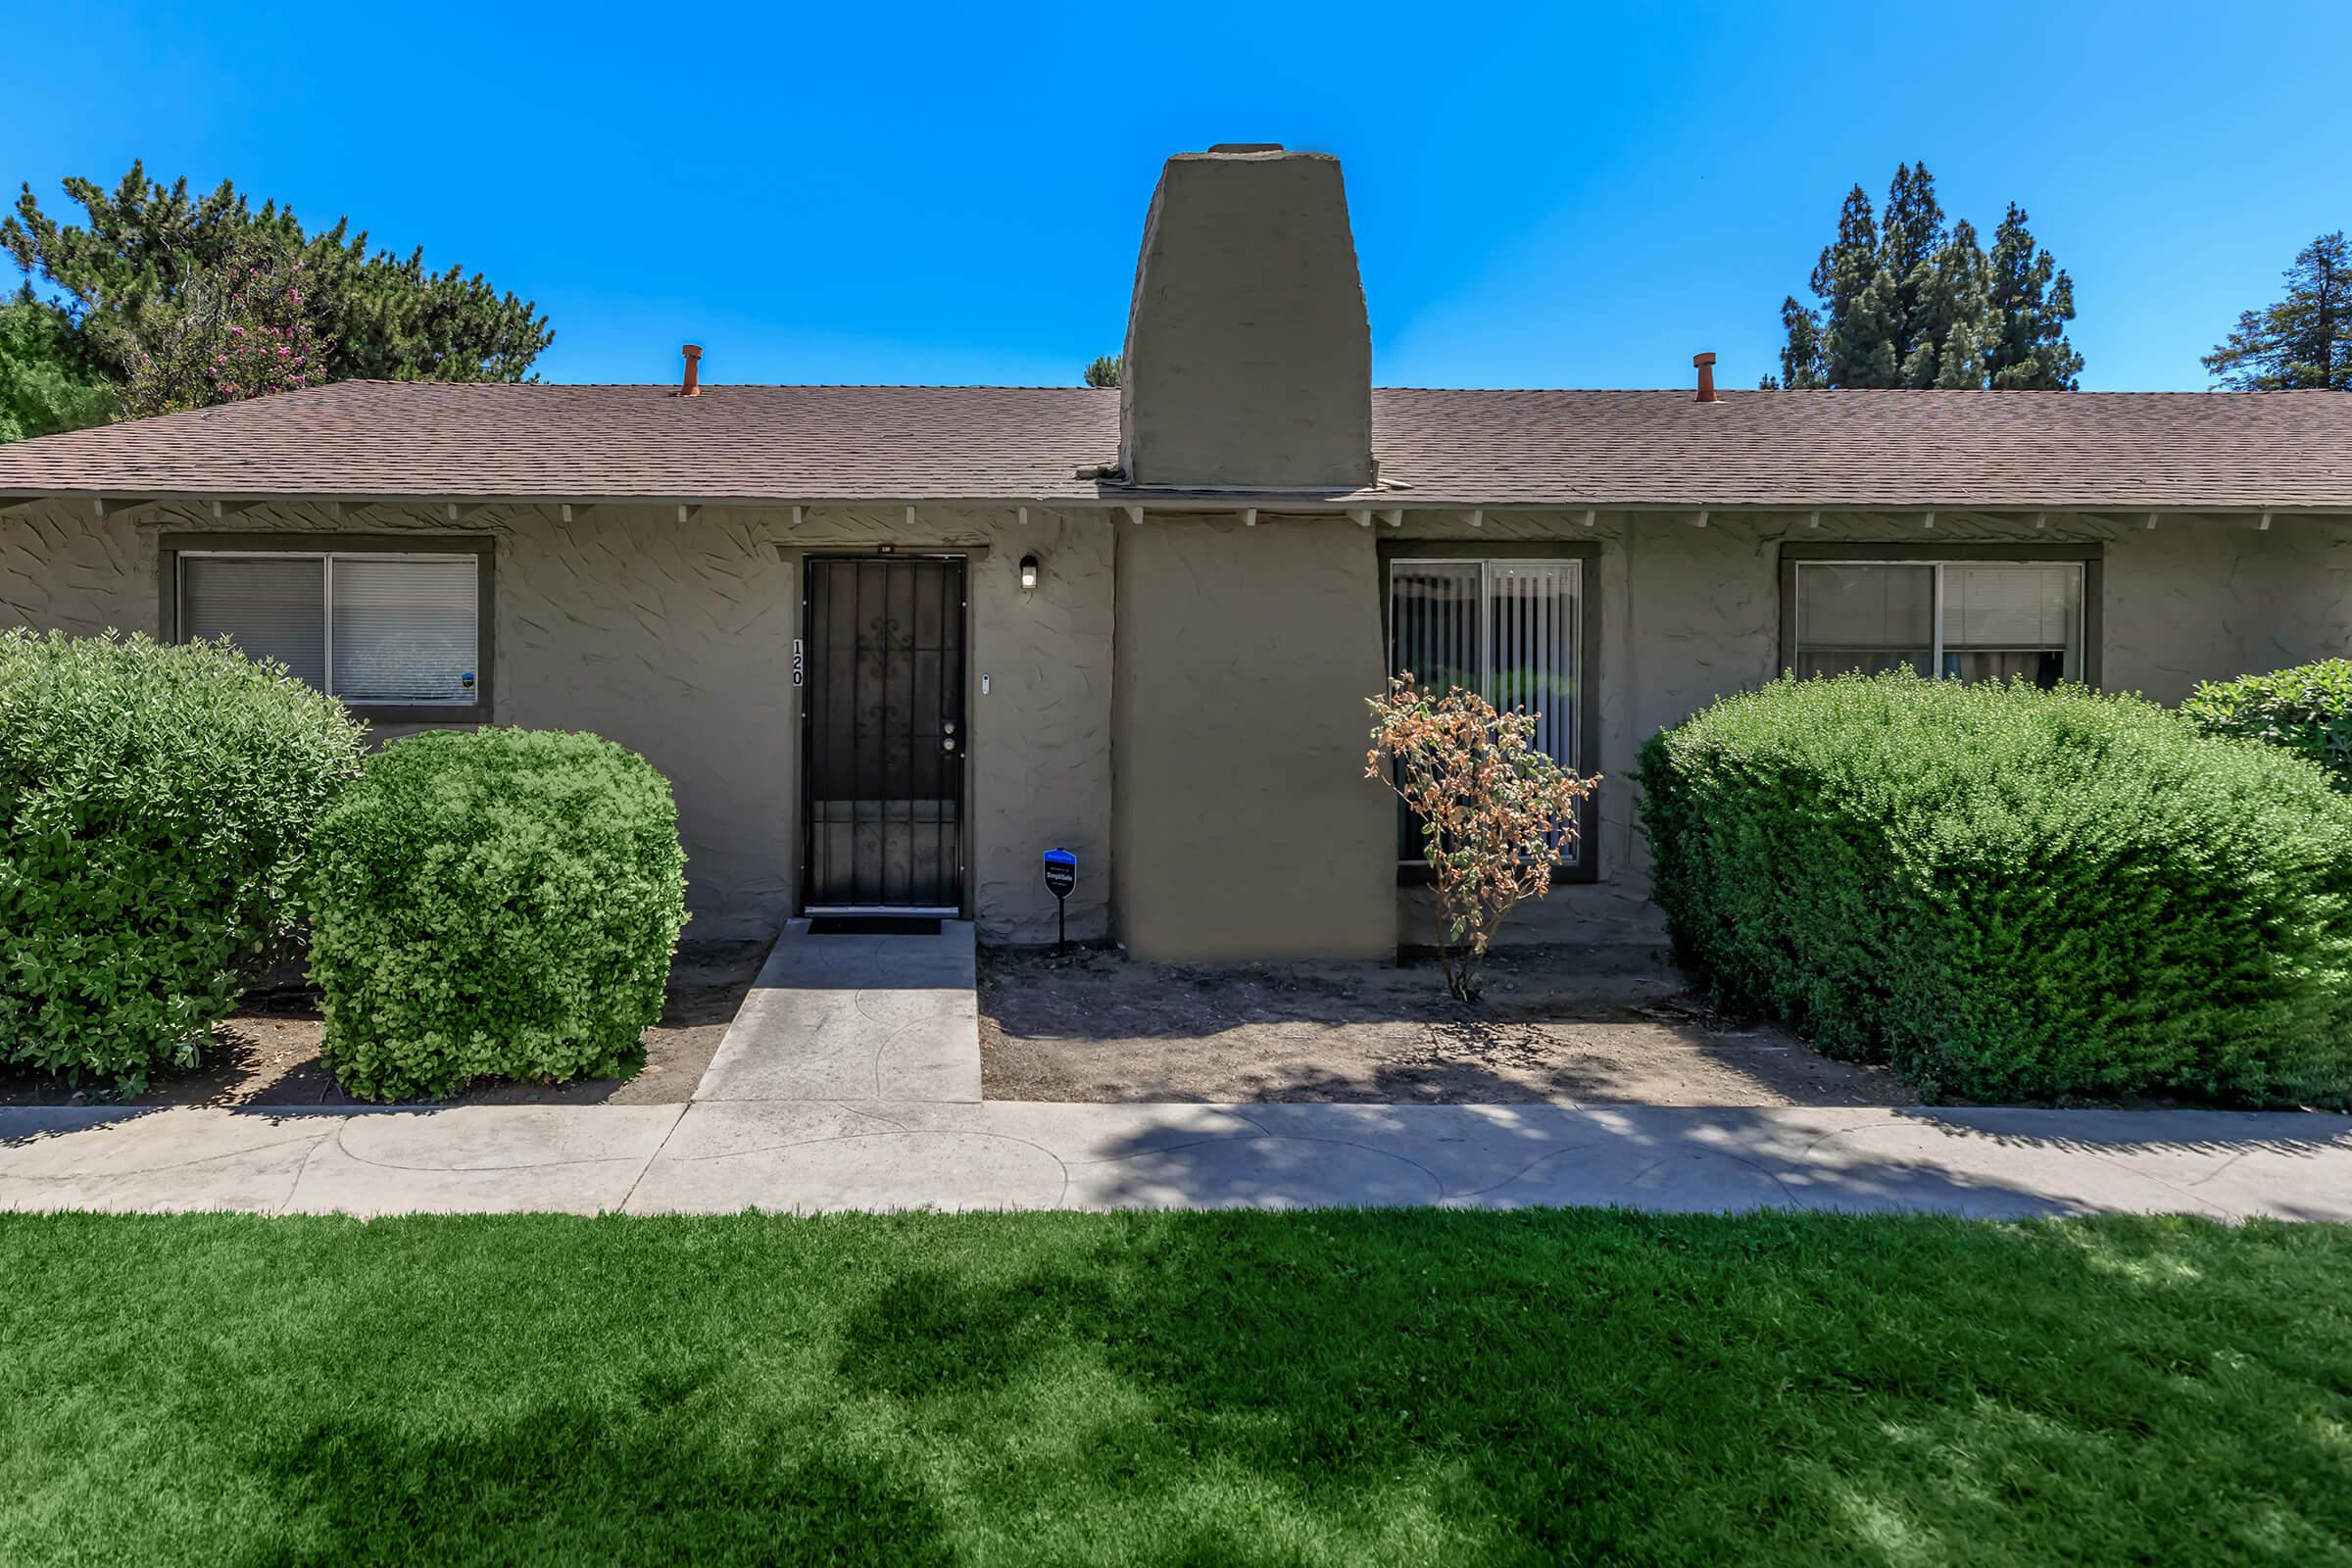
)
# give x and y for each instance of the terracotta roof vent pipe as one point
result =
(692, 386)
(1705, 362)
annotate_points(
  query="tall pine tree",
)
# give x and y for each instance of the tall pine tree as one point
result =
(1855, 330)
(1910, 301)
(2032, 300)
(2305, 340)
(1947, 327)
(1911, 244)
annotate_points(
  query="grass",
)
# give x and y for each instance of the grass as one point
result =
(1409, 1387)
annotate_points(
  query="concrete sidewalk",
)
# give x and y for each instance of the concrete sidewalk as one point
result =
(850, 1080)
(801, 1157)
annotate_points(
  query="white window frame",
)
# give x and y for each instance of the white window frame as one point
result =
(326, 584)
(1936, 565)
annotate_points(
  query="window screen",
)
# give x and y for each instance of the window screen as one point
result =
(1870, 618)
(1506, 629)
(269, 606)
(2013, 620)
(1969, 620)
(369, 628)
(403, 629)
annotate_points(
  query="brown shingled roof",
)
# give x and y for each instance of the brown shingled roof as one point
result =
(1846, 449)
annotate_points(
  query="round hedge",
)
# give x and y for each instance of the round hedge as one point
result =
(155, 805)
(2011, 893)
(496, 902)
(2307, 709)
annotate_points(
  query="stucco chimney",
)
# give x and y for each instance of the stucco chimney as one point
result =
(1249, 359)
(692, 386)
(1706, 377)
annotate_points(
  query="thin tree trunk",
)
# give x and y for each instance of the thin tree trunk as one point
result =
(1437, 903)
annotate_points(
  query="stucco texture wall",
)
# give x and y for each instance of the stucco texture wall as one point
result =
(1244, 828)
(1692, 614)
(1041, 732)
(1232, 713)
(674, 639)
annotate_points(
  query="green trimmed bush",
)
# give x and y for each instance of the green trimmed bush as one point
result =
(2009, 892)
(155, 805)
(494, 903)
(2308, 710)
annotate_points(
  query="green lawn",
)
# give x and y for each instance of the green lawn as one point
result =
(1174, 1389)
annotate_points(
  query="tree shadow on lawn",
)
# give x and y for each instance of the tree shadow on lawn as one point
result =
(1609, 1388)
(577, 1484)
(1335, 1388)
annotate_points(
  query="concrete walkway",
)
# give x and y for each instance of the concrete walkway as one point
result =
(857, 1018)
(850, 1080)
(798, 1156)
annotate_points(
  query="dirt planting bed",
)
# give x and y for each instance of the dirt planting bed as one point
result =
(267, 1053)
(1589, 1027)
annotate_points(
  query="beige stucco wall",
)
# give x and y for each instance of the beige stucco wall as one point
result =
(1248, 356)
(1689, 613)
(674, 639)
(1244, 827)
(1216, 759)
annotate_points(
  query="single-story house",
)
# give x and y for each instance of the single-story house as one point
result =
(892, 643)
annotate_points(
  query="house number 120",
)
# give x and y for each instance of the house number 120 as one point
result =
(796, 662)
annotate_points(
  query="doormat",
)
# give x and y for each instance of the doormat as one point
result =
(871, 925)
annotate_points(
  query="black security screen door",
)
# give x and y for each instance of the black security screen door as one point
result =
(886, 736)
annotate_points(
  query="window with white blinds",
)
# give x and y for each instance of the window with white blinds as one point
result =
(271, 607)
(1505, 629)
(1964, 620)
(369, 628)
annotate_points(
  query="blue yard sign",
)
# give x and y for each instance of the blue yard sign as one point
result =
(1061, 875)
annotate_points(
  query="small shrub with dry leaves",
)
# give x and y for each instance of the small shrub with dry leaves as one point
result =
(1495, 812)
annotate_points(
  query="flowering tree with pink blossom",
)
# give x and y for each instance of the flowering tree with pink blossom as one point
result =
(241, 330)
(1493, 811)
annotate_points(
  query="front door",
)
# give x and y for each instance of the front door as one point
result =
(884, 735)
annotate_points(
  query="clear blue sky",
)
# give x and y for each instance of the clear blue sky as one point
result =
(953, 193)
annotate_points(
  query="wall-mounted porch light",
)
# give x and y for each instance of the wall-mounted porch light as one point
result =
(1028, 572)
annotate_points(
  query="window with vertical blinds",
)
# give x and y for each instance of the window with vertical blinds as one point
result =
(1506, 629)
(397, 629)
